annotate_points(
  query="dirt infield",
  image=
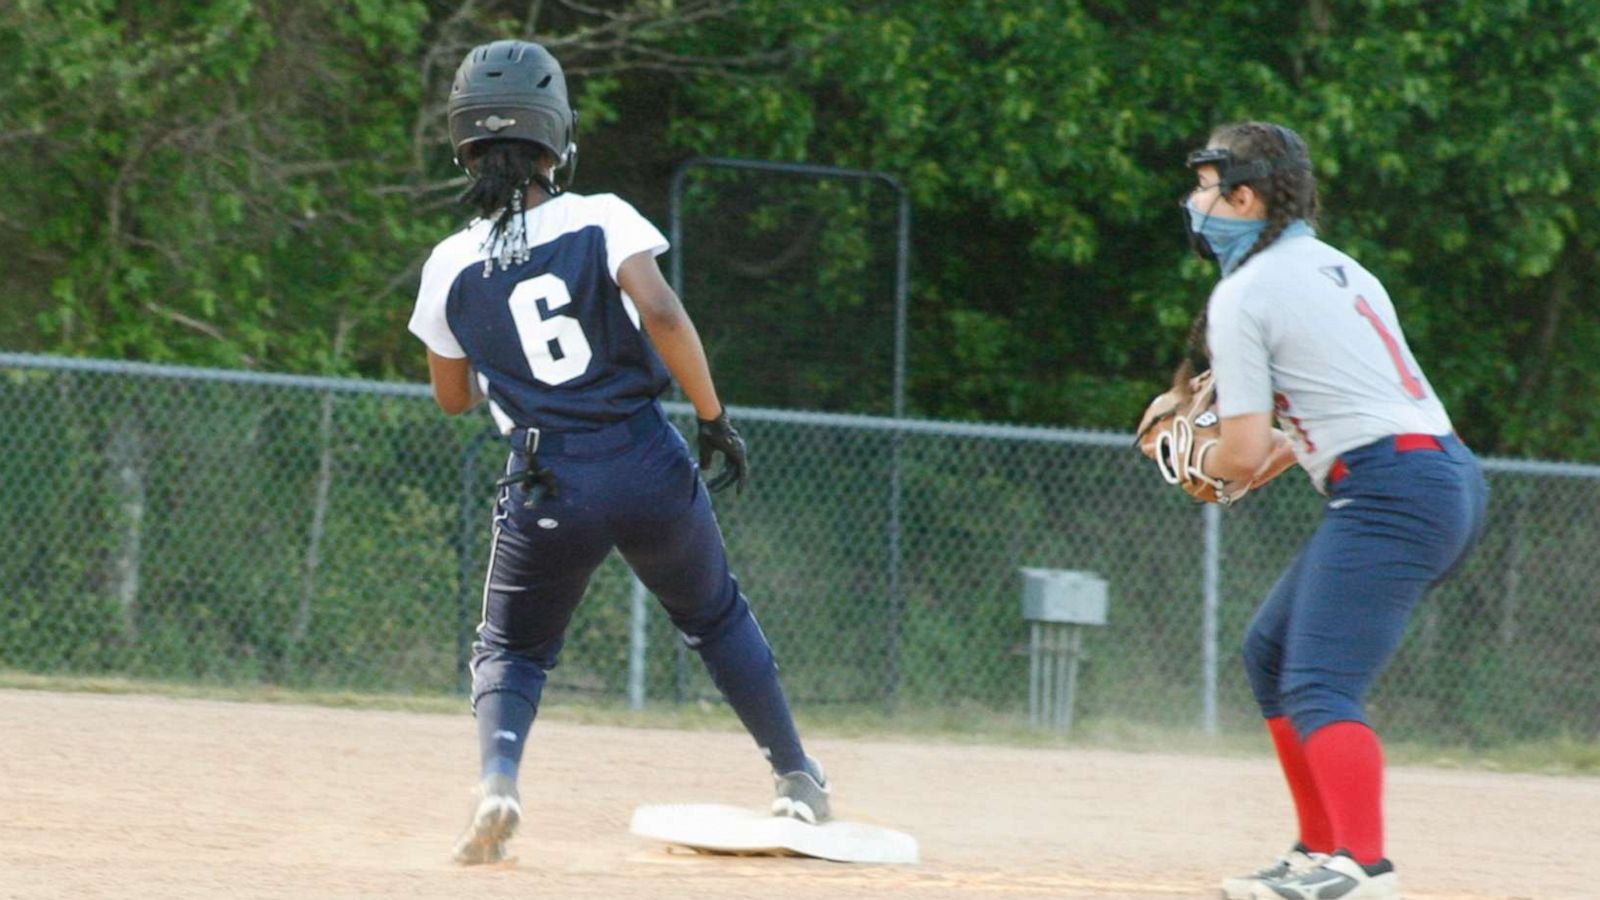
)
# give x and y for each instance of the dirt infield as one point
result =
(141, 797)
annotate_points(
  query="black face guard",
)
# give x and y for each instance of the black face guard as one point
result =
(1231, 173)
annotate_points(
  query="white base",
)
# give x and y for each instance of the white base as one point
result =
(729, 829)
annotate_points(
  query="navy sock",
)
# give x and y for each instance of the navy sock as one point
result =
(504, 719)
(740, 662)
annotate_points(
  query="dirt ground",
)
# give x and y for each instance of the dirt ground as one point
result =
(144, 797)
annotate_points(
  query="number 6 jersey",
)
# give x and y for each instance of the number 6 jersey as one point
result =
(1303, 331)
(556, 339)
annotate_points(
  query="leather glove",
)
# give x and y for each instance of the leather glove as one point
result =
(1179, 430)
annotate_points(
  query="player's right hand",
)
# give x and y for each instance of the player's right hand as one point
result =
(718, 435)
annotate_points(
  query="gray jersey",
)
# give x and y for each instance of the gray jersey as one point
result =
(1303, 331)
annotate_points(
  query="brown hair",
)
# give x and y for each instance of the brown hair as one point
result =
(1288, 189)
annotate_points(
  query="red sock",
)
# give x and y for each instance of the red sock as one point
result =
(1347, 761)
(1316, 833)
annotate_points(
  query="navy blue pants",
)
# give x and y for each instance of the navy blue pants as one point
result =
(1394, 526)
(630, 486)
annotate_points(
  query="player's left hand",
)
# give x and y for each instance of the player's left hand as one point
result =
(718, 435)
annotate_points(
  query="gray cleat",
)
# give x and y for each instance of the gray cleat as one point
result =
(494, 820)
(1297, 860)
(1338, 878)
(804, 795)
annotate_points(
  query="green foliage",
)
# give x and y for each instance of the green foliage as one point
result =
(204, 179)
(1042, 144)
(255, 183)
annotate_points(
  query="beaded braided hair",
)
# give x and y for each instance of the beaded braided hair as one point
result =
(1289, 192)
(502, 171)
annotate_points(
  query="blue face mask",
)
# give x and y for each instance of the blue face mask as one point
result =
(1224, 240)
(1228, 240)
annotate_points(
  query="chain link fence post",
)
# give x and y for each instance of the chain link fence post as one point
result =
(1211, 602)
(469, 569)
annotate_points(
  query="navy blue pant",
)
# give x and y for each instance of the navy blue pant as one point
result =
(632, 487)
(1393, 527)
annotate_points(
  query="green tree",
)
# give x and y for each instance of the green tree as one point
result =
(1043, 144)
(256, 183)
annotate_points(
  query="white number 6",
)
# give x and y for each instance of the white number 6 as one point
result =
(555, 344)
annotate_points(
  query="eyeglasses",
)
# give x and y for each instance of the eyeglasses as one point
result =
(1189, 195)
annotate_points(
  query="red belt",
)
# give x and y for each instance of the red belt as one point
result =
(1403, 443)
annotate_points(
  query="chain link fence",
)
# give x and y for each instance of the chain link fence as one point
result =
(800, 263)
(235, 528)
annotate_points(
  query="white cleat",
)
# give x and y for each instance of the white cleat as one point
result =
(494, 821)
(1338, 878)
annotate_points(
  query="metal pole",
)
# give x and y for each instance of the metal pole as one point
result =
(1058, 679)
(636, 645)
(675, 225)
(1074, 652)
(896, 499)
(1058, 673)
(471, 497)
(902, 267)
(1033, 674)
(1045, 672)
(1208, 619)
(1064, 670)
(891, 690)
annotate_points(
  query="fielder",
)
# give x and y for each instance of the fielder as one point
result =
(556, 301)
(1298, 330)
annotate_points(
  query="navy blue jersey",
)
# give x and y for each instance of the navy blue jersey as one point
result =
(555, 338)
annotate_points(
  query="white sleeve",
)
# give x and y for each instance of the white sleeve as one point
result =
(628, 233)
(1240, 361)
(428, 320)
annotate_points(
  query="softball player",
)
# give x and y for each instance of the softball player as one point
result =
(555, 301)
(1298, 330)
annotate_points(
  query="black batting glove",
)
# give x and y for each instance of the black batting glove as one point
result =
(537, 482)
(718, 435)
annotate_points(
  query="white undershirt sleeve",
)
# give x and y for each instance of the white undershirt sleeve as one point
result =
(628, 232)
(428, 320)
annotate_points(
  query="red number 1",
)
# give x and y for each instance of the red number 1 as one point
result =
(1410, 382)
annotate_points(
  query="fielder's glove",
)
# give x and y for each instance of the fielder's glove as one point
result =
(1179, 430)
(718, 435)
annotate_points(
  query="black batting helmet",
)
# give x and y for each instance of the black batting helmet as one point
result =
(512, 90)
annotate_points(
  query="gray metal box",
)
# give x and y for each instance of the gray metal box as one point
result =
(1063, 595)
